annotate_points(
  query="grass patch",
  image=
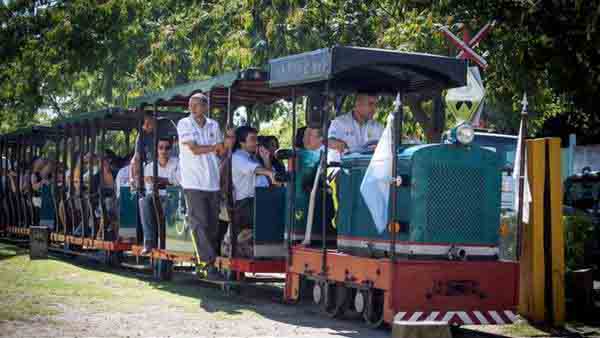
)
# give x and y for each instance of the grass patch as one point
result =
(523, 329)
(43, 287)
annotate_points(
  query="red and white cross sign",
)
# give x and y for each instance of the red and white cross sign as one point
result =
(466, 47)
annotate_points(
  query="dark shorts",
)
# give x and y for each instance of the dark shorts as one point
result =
(243, 213)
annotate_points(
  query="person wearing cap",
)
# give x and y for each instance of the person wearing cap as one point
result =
(353, 131)
(200, 144)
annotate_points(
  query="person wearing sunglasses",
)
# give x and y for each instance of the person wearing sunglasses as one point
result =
(168, 174)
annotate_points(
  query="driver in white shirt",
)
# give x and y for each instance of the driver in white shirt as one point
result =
(353, 131)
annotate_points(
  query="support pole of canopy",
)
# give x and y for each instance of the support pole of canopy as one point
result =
(18, 164)
(55, 190)
(30, 156)
(140, 191)
(233, 233)
(3, 182)
(68, 156)
(323, 164)
(394, 225)
(71, 143)
(80, 193)
(229, 119)
(93, 190)
(104, 220)
(160, 217)
(208, 97)
(292, 163)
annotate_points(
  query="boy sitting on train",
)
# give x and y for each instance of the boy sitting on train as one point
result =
(247, 172)
(168, 174)
(308, 194)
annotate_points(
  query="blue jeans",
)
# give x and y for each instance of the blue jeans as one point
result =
(148, 218)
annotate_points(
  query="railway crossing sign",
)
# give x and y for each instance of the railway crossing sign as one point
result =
(466, 45)
(466, 103)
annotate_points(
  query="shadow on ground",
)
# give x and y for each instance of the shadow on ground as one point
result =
(262, 299)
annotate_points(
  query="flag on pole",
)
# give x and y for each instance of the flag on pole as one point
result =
(515, 175)
(375, 187)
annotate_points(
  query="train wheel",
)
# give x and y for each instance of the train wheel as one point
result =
(373, 310)
(335, 300)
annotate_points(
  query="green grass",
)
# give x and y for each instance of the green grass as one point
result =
(44, 287)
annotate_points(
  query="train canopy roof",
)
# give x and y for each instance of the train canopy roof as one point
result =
(37, 135)
(352, 69)
(113, 118)
(247, 87)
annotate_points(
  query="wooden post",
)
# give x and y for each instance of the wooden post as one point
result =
(542, 269)
(531, 285)
(557, 254)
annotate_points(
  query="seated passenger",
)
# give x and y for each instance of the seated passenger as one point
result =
(299, 138)
(168, 174)
(122, 178)
(247, 173)
(106, 187)
(272, 145)
(352, 131)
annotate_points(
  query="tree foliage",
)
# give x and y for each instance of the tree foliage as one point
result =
(65, 57)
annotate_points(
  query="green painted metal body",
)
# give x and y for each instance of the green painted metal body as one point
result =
(47, 211)
(307, 164)
(127, 213)
(450, 195)
(178, 236)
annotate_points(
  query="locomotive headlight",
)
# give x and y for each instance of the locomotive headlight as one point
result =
(465, 133)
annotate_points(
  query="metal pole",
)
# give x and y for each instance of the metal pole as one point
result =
(292, 169)
(104, 221)
(233, 234)
(55, 190)
(159, 230)
(93, 190)
(229, 119)
(521, 192)
(140, 191)
(80, 193)
(325, 128)
(70, 139)
(3, 181)
(396, 139)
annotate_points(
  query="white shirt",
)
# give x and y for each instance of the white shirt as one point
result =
(122, 179)
(170, 172)
(243, 177)
(347, 129)
(199, 172)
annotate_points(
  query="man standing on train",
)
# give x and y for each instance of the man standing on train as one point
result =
(353, 131)
(200, 142)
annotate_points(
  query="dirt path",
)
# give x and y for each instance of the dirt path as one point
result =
(61, 297)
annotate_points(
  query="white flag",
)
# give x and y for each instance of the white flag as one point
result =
(375, 187)
(515, 175)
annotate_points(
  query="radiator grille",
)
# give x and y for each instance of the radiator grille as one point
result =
(455, 204)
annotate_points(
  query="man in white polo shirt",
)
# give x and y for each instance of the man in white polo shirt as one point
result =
(200, 141)
(352, 131)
